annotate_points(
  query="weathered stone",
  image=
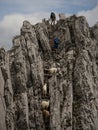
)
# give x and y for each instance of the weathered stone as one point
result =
(72, 91)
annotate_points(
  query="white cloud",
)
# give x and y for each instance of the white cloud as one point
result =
(91, 15)
(11, 24)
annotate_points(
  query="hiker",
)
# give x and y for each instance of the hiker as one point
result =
(52, 18)
(56, 42)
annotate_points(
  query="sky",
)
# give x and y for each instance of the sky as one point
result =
(14, 12)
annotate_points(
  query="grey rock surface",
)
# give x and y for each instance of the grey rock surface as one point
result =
(72, 91)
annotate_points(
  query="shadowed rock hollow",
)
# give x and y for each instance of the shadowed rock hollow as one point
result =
(71, 93)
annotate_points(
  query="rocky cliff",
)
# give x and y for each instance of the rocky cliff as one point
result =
(71, 92)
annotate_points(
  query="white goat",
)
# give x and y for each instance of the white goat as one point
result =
(52, 70)
(45, 89)
(62, 16)
(45, 104)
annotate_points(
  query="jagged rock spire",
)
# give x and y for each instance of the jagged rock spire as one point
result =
(71, 101)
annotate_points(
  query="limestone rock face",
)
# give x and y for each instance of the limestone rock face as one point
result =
(71, 95)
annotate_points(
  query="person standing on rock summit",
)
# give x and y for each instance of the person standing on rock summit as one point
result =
(52, 18)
